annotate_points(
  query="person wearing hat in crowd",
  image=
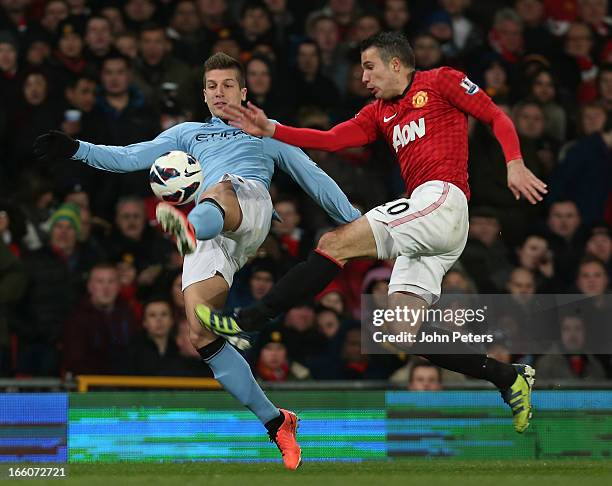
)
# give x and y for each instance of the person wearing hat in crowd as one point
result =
(56, 274)
(376, 284)
(439, 24)
(332, 297)
(273, 361)
(92, 228)
(67, 60)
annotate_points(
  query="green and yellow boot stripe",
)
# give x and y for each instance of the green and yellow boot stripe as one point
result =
(217, 322)
(518, 397)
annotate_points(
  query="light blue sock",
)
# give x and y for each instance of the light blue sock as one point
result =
(207, 220)
(234, 373)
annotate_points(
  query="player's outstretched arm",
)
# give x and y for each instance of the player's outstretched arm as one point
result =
(138, 156)
(313, 180)
(522, 181)
(254, 121)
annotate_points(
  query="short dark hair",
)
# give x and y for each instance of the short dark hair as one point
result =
(104, 265)
(152, 27)
(117, 56)
(221, 60)
(156, 299)
(588, 259)
(390, 45)
(75, 80)
(256, 6)
(424, 364)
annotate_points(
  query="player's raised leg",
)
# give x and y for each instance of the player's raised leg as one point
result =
(218, 210)
(303, 281)
(234, 373)
(514, 382)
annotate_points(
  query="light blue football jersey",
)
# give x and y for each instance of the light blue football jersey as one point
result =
(222, 149)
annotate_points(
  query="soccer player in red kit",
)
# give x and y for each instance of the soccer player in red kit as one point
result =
(423, 118)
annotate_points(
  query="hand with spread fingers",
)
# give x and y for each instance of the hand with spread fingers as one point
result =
(250, 119)
(55, 145)
(522, 181)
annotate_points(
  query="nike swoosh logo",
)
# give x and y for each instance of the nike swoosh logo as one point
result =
(385, 119)
(189, 174)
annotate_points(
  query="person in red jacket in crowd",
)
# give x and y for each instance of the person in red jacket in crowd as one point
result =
(99, 330)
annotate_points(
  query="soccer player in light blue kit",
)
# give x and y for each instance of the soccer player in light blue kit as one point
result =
(230, 221)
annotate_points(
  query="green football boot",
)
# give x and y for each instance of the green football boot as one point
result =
(518, 397)
(222, 325)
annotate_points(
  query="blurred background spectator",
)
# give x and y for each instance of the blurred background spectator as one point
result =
(154, 351)
(274, 362)
(567, 359)
(424, 377)
(97, 334)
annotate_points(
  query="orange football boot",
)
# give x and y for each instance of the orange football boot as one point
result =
(176, 224)
(285, 440)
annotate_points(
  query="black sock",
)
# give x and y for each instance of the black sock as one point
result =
(275, 423)
(502, 375)
(302, 282)
(211, 349)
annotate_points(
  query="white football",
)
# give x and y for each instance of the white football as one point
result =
(175, 177)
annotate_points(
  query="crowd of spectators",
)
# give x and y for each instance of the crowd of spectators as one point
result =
(88, 283)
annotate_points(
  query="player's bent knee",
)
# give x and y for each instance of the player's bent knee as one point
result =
(330, 244)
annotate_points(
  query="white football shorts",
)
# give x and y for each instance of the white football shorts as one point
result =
(229, 251)
(426, 233)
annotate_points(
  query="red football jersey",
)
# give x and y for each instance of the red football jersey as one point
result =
(427, 126)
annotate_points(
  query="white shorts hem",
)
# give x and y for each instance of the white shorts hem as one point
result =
(427, 296)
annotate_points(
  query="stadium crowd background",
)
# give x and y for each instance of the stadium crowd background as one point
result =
(88, 284)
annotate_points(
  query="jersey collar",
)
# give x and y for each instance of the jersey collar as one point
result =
(399, 97)
(216, 119)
